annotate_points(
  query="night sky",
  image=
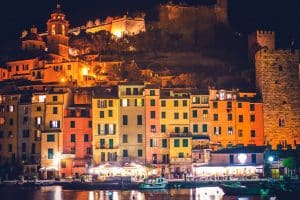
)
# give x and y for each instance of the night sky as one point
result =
(245, 15)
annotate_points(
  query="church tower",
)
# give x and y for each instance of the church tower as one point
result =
(57, 27)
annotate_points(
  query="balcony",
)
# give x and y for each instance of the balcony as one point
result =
(98, 146)
(200, 147)
(180, 160)
(187, 134)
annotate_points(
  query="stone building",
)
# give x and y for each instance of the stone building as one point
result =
(278, 81)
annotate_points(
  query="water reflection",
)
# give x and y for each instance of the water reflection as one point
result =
(57, 193)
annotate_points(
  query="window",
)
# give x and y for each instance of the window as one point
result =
(139, 120)
(135, 91)
(240, 133)
(51, 138)
(151, 143)
(125, 153)
(11, 121)
(73, 150)
(216, 117)
(176, 142)
(38, 120)
(231, 159)
(175, 103)
(124, 102)
(54, 110)
(164, 143)
(33, 148)
(128, 91)
(11, 108)
(125, 138)
(101, 114)
(152, 114)
(163, 115)
(184, 103)
(50, 153)
(90, 124)
(110, 113)
(185, 142)
(240, 105)
(152, 92)
(39, 108)
(125, 119)
(69, 67)
(89, 151)
(140, 153)
(102, 143)
(86, 137)
(101, 103)
(252, 118)
(229, 105)
(9, 147)
(194, 113)
(215, 104)
(281, 122)
(176, 115)
(195, 128)
(185, 115)
(230, 130)
(25, 133)
(54, 124)
(110, 103)
(196, 100)
(205, 114)
(177, 129)
(163, 128)
(139, 138)
(73, 137)
(241, 118)
(204, 128)
(152, 102)
(217, 130)
(111, 143)
(153, 128)
(72, 124)
(204, 99)
(23, 147)
(185, 129)
(163, 103)
(253, 158)
(139, 102)
(252, 133)
(180, 155)
(229, 117)
(252, 107)
(102, 156)
(54, 98)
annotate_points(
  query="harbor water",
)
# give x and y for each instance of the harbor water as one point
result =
(58, 193)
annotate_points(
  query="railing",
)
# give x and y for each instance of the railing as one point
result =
(98, 146)
(188, 134)
(180, 160)
(200, 147)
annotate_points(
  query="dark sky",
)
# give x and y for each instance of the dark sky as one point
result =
(245, 15)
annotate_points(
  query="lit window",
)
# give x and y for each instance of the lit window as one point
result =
(124, 102)
(54, 124)
(11, 108)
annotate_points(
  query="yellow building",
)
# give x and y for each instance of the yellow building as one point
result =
(105, 107)
(132, 122)
(52, 134)
(175, 122)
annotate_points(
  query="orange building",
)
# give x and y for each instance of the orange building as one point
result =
(77, 140)
(236, 118)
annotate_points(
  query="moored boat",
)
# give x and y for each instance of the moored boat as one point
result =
(236, 188)
(154, 183)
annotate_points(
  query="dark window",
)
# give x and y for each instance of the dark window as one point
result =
(33, 148)
(252, 107)
(73, 138)
(253, 158)
(125, 153)
(86, 137)
(11, 121)
(240, 133)
(101, 114)
(164, 143)
(229, 117)
(177, 129)
(252, 133)
(215, 104)
(139, 120)
(153, 128)
(176, 115)
(185, 129)
(175, 103)
(39, 108)
(163, 128)
(241, 118)
(185, 115)
(54, 109)
(152, 114)
(140, 152)
(184, 103)
(50, 153)
(152, 92)
(216, 117)
(176, 142)
(23, 147)
(240, 105)
(140, 138)
(125, 138)
(185, 142)
(152, 102)
(90, 124)
(125, 119)
(180, 155)
(163, 103)
(231, 159)
(51, 138)
(110, 103)
(54, 98)
(163, 115)
(204, 128)
(10, 148)
(229, 105)
(128, 91)
(72, 124)
(194, 113)
(252, 118)
(135, 91)
(195, 128)
(151, 143)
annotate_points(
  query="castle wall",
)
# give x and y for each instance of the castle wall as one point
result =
(277, 79)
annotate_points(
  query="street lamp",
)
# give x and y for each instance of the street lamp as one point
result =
(270, 159)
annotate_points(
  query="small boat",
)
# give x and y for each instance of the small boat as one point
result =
(237, 188)
(208, 193)
(154, 183)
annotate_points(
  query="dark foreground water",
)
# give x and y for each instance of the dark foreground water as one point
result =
(57, 193)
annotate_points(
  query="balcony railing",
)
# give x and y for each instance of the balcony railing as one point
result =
(180, 160)
(200, 147)
(99, 146)
(187, 134)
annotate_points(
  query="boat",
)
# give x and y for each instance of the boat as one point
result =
(154, 183)
(236, 188)
(208, 193)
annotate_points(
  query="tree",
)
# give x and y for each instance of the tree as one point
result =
(290, 164)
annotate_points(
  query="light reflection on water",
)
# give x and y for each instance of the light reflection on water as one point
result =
(57, 193)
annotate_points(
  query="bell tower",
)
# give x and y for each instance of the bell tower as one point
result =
(57, 27)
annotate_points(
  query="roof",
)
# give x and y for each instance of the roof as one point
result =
(107, 92)
(245, 149)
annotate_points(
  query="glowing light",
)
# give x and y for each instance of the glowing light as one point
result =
(85, 71)
(63, 80)
(118, 33)
(242, 158)
(270, 158)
